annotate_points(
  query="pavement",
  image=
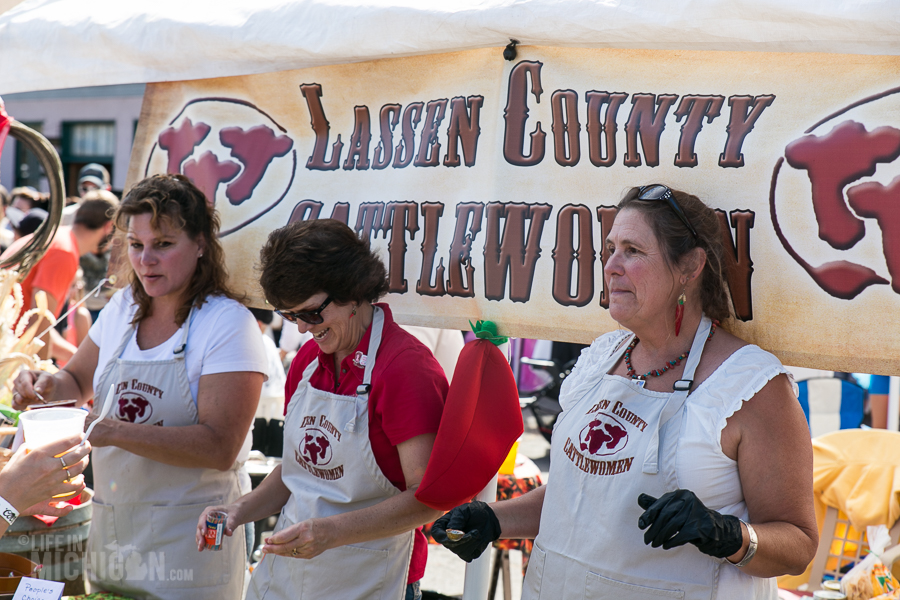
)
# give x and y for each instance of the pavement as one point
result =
(445, 572)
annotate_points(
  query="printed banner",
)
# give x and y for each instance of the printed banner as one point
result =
(489, 186)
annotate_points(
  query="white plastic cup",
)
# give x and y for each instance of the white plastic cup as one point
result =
(47, 425)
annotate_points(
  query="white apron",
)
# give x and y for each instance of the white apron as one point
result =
(617, 442)
(145, 512)
(330, 469)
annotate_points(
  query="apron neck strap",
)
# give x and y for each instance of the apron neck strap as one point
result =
(690, 367)
(678, 397)
(374, 343)
(179, 349)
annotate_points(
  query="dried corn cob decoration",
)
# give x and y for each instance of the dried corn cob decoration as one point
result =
(18, 346)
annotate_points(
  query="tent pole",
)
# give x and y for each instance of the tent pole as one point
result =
(478, 572)
(893, 416)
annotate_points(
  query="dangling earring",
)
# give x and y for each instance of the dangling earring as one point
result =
(679, 312)
(353, 313)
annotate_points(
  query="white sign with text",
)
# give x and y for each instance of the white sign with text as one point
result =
(39, 589)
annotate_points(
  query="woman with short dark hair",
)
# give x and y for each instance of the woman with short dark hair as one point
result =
(304, 258)
(364, 405)
(676, 427)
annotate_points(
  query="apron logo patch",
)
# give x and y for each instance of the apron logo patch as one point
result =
(133, 408)
(596, 467)
(603, 436)
(315, 450)
(315, 447)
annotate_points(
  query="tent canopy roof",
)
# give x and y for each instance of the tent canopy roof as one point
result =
(51, 44)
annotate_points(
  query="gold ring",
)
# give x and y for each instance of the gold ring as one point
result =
(294, 552)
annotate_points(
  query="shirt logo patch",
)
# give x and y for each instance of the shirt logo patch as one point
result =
(603, 436)
(133, 408)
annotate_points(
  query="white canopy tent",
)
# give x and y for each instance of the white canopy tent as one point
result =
(52, 44)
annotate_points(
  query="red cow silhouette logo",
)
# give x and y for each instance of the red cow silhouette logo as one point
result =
(315, 447)
(603, 436)
(839, 156)
(237, 154)
(133, 408)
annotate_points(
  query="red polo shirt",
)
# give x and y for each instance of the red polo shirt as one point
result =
(406, 399)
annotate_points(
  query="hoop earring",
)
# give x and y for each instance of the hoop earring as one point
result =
(679, 312)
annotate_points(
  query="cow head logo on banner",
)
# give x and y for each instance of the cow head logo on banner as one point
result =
(839, 155)
(233, 151)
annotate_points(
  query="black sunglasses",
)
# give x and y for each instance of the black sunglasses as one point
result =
(661, 192)
(313, 317)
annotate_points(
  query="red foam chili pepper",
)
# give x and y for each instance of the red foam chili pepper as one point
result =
(480, 423)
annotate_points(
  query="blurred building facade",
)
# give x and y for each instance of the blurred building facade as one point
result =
(86, 125)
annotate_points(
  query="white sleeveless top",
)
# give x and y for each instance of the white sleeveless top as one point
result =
(701, 465)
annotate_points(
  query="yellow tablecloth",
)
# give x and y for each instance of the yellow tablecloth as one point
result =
(858, 472)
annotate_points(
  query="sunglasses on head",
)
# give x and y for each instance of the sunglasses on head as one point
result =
(312, 317)
(655, 192)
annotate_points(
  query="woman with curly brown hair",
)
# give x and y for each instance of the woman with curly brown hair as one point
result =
(185, 364)
(365, 402)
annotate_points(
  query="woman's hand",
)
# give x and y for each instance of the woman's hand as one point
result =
(392, 516)
(476, 520)
(49, 508)
(306, 539)
(33, 475)
(679, 518)
(103, 434)
(231, 523)
(32, 387)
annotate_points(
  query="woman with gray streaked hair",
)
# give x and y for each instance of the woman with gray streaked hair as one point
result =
(676, 427)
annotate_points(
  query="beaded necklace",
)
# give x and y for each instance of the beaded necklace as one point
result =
(669, 365)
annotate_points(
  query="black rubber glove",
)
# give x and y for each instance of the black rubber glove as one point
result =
(479, 523)
(679, 517)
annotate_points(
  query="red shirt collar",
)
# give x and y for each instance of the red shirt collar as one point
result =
(326, 361)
